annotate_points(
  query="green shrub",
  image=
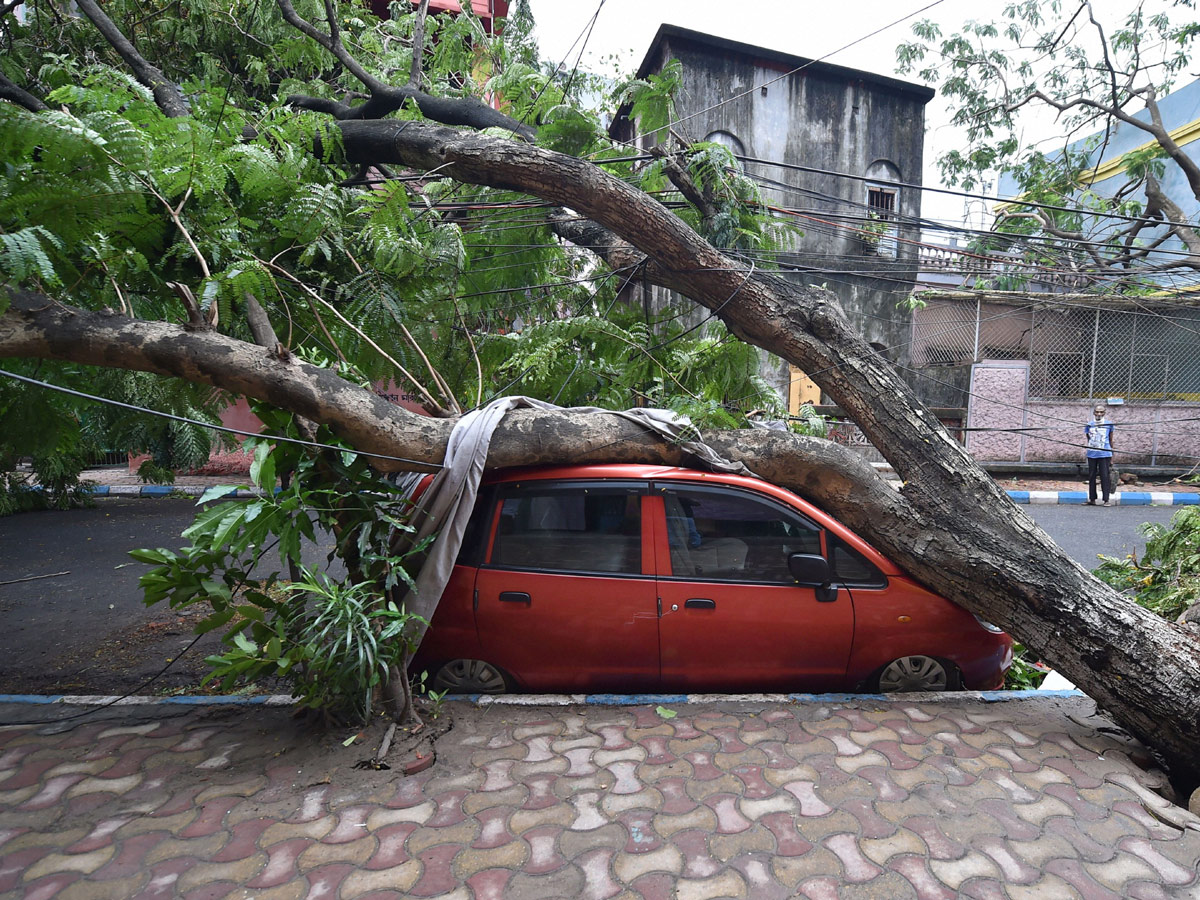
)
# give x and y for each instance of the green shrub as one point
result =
(1166, 580)
(338, 644)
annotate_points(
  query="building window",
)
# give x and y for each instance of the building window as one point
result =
(879, 229)
(881, 202)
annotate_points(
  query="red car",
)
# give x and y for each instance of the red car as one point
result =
(637, 578)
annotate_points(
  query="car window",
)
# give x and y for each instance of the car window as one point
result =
(851, 567)
(570, 529)
(730, 535)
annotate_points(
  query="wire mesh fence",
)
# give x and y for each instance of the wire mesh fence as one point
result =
(1073, 351)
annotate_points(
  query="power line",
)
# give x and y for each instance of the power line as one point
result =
(277, 438)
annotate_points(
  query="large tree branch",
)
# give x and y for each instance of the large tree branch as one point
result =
(16, 94)
(385, 98)
(1014, 574)
(166, 93)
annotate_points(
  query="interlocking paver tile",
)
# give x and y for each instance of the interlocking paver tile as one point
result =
(597, 873)
(916, 872)
(1167, 868)
(934, 775)
(514, 795)
(954, 872)
(701, 817)
(561, 814)
(699, 788)
(728, 883)
(901, 842)
(543, 855)
(53, 863)
(729, 819)
(776, 803)
(563, 884)
(614, 804)
(469, 861)
(574, 844)
(171, 847)
(1012, 868)
(992, 889)
(1144, 891)
(856, 867)
(649, 773)
(819, 863)
(355, 852)
(811, 803)
(423, 838)
(756, 786)
(628, 866)
(758, 838)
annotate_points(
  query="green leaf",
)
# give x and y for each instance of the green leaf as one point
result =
(216, 492)
(262, 469)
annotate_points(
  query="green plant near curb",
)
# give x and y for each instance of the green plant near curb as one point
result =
(1166, 580)
(1025, 674)
(341, 645)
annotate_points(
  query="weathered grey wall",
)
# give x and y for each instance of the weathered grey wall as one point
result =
(827, 119)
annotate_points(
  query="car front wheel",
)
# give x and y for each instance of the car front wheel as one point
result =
(469, 676)
(916, 673)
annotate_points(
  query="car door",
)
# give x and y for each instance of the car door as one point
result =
(566, 597)
(733, 617)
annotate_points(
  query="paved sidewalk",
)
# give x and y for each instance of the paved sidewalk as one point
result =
(914, 797)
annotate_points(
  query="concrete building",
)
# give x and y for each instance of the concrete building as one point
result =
(838, 150)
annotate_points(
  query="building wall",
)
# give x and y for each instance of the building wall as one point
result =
(1148, 433)
(826, 119)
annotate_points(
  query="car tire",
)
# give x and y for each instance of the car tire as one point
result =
(916, 673)
(469, 676)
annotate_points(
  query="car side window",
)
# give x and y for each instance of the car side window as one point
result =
(852, 568)
(716, 534)
(566, 528)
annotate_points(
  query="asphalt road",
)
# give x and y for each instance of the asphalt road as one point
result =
(78, 622)
(71, 610)
(1085, 532)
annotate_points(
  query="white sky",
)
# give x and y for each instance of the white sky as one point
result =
(839, 33)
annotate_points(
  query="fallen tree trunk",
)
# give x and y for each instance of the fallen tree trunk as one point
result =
(950, 526)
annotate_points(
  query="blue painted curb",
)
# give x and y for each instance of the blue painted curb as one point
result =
(1121, 498)
(165, 490)
(559, 699)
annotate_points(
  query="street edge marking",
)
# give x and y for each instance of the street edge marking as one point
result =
(560, 699)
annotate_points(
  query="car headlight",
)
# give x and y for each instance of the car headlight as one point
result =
(988, 626)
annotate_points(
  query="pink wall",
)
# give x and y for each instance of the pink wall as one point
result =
(1148, 432)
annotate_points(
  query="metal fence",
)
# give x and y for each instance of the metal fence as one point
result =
(1073, 351)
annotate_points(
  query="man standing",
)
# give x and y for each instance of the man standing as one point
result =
(1098, 434)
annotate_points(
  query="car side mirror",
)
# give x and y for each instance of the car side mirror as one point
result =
(809, 569)
(812, 570)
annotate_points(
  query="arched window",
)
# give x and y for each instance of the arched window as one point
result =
(730, 142)
(882, 208)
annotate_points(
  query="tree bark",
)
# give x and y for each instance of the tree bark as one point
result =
(952, 528)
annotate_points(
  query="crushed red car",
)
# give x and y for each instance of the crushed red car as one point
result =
(638, 578)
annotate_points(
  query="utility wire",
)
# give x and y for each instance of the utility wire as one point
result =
(278, 438)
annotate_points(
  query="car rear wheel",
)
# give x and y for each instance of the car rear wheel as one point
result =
(916, 673)
(469, 676)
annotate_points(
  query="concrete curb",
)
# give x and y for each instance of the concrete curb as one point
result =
(557, 699)
(165, 490)
(1121, 498)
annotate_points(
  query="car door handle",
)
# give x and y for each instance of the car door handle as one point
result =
(515, 597)
(700, 603)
